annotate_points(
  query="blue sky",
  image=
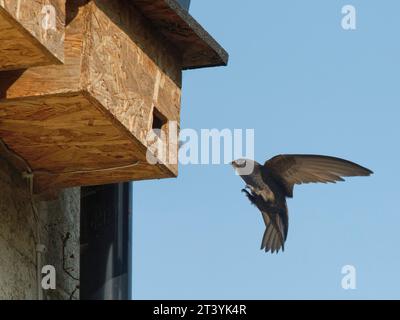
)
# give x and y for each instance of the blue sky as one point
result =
(306, 86)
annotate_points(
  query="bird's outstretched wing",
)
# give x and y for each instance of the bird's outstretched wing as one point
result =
(276, 221)
(289, 170)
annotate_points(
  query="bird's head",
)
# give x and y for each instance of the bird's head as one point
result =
(243, 166)
(239, 163)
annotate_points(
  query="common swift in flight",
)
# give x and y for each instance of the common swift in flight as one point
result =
(268, 186)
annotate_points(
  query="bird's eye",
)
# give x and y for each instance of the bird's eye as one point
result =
(241, 163)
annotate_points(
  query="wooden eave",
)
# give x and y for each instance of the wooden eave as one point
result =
(198, 48)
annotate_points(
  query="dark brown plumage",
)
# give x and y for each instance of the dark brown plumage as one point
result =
(270, 184)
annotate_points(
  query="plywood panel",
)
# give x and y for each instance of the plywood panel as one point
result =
(67, 141)
(54, 78)
(131, 68)
(141, 171)
(31, 33)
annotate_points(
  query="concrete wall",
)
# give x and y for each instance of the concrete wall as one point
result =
(58, 223)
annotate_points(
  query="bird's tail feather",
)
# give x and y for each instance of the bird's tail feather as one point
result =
(272, 240)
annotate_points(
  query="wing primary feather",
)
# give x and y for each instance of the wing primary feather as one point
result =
(289, 170)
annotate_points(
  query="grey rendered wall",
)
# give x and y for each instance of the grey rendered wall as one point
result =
(58, 223)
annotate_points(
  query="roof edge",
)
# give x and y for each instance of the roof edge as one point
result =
(198, 48)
